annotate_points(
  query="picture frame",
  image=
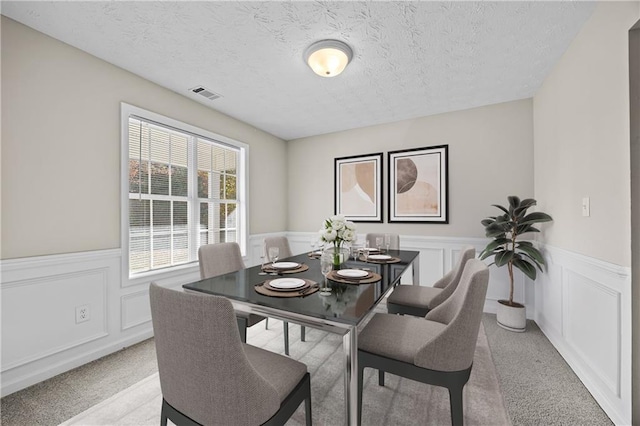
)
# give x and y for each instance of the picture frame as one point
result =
(358, 187)
(419, 185)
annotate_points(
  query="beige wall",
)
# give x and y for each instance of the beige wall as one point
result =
(581, 128)
(61, 146)
(490, 157)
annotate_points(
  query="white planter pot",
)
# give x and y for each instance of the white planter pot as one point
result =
(512, 318)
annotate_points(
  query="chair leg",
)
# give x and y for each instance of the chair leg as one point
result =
(302, 333)
(163, 414)
(286, 337)
(380, 378)
(266, 324)
(242, 328)
(455, 401)
(307, 408)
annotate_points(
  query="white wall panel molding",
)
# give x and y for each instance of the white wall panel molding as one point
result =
(583, 305)
(34, 315)
(437, 256)
(40, 335)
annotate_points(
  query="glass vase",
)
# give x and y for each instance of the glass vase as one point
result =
(340, 255)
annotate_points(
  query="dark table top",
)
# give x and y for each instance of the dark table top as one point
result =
(348, 303)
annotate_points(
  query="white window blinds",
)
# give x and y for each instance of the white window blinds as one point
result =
(182, 194)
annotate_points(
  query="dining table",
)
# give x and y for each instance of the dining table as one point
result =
(350, 303)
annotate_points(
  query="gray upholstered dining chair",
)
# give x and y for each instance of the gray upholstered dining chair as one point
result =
(395, 240)
(281, 242)
(223, 258)
(209, 377)
(285, 251)
(437, 349)
(418, 301)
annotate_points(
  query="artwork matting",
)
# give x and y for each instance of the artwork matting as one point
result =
(358, 187)
(418, 185)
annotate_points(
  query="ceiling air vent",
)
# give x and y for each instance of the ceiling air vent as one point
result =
(206, 93)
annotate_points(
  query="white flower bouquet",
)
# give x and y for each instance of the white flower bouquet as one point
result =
(336, 231)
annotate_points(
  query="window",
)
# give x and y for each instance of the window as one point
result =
(185, 188)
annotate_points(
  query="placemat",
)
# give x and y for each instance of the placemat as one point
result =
(266, 292)
(301, 268)
(333, 276)
(314, 255)
(392, 260)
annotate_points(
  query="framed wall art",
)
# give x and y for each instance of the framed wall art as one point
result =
(358, 187)
(418, 185)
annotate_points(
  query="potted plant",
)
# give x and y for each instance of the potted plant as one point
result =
(508, 249)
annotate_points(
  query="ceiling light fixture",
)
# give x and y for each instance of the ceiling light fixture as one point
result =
(328, 58)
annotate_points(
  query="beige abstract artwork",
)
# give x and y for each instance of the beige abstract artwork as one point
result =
(358, 187)
(417, 185)
(358, 190)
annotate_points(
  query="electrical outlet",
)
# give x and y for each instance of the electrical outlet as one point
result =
(82, 314)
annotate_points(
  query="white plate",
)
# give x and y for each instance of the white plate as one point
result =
(285, 265)
(287, 283)
(352, 273)
(379, 257)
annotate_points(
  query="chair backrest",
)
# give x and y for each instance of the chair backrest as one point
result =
(219, 259)
(454, 347)
(450, 281)
(395, 240)
(204, 372)
(281, 242)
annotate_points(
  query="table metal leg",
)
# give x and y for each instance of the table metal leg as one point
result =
(415, 270)
(350, 345)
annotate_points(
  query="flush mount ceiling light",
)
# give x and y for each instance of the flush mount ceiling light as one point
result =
(328, 58)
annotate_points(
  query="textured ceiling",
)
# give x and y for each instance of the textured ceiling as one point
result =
(411, 59)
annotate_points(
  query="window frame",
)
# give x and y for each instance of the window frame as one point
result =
(129, 111)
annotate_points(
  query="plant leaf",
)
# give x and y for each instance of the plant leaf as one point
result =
(514, 202)
(534, 253)
(501, 208)
(523, 229)
(524, 243)
(527, 268)
(533, 261)
(495, 244)
(486, 254)
(524, 206)
(487, 222)
(535, 217)
(503, 257)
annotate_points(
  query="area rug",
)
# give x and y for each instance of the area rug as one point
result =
(399, 402)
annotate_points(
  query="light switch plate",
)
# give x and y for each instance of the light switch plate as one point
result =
(586, 207)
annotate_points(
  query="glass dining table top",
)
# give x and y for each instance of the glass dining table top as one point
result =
(347, 303)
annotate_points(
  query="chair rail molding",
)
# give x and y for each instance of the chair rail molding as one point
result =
(583, 306)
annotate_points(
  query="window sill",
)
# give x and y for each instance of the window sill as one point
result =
(162, 274)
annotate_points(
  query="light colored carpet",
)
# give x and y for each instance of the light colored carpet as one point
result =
(399, 402)
(539, 386)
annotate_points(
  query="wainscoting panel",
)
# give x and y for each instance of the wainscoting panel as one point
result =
(40, 335)
(583, 305)
(39, 316)
(593, 326)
